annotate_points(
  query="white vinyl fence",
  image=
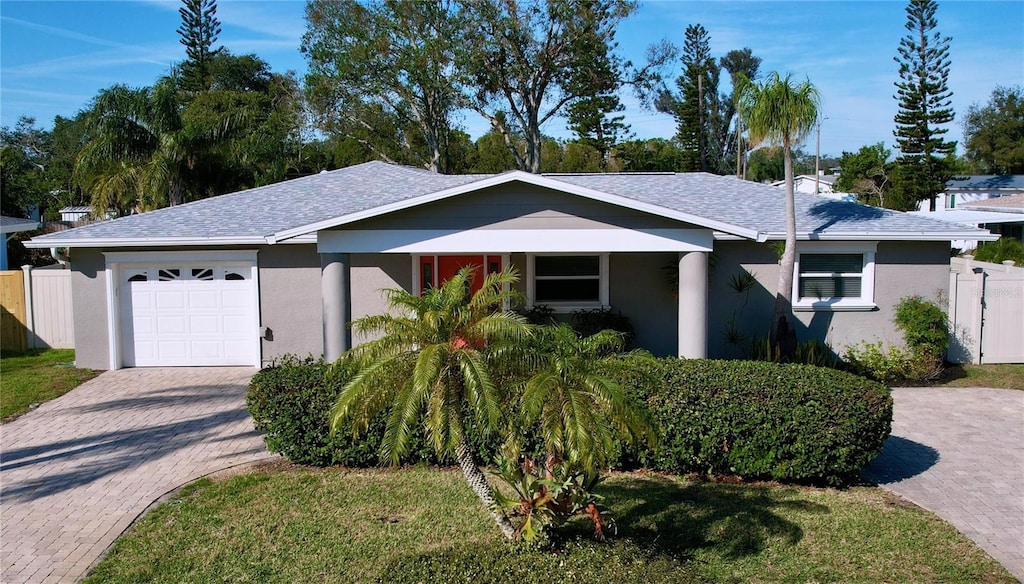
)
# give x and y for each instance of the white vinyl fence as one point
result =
(986, 311)
(48, 313)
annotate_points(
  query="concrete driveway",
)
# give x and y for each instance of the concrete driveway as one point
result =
(76, 472)
(959, 452)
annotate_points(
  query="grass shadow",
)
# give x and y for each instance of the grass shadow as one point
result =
(678, 519)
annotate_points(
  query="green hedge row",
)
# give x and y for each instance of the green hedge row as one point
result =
(753, 419)
(761, 420)
(290, 402)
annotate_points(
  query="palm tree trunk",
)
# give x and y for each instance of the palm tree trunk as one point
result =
(478, 482)
(783, 335)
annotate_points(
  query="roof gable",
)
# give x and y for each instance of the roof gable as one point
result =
(517, 176)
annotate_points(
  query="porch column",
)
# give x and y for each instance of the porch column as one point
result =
(336, 293)
(693, 305)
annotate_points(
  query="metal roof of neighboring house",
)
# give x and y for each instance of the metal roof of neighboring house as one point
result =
(76, 209)
(15, 224)
(1011, 203)
(302, 206)
(981, 182)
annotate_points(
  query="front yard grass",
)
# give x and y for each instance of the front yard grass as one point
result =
(32, 377)
(282, 523)
(1005, 376)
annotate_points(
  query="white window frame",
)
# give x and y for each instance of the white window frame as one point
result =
(866, 300)
(566, 307)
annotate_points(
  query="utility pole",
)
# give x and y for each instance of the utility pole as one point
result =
(817, 157)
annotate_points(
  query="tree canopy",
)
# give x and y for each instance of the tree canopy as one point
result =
(386, 59)
(994, 133)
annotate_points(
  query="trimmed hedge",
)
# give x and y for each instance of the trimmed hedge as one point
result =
(785, 422)
(754, 419)
(290, 402)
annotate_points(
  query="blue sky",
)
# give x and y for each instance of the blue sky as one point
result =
(55, 56)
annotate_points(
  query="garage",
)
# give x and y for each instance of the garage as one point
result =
(187, 314)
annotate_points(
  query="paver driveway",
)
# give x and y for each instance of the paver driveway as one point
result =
(78, 470)
(959, 452)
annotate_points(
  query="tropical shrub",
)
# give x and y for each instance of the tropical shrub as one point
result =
(926, 336)
(593, 321)
(924, 325)
(809, 352)
(1005, 248)
(760, 420)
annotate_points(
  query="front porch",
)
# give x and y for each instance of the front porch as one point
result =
(669, 313)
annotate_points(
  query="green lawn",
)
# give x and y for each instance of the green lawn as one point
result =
(289, 524)
(1004, 376)
(35, 376)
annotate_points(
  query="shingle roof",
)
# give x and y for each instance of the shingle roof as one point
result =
(986, 182)
(14, 224)
(262, 212)
(1009, 202)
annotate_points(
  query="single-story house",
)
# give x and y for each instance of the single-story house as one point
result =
(967, 190)
(825, 183)
(246, 277)
(8, 227)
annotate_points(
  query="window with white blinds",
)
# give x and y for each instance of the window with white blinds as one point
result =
(836, 277)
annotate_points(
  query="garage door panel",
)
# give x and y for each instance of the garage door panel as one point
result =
(169, 325)
(141, 299)
(166, 299)
(206, 349)
(173, 349)
(189, 314)
(236, 325)
(204, 325)
(144, 325)
(203, 299)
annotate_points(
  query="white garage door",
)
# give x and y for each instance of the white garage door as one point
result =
(188, 314)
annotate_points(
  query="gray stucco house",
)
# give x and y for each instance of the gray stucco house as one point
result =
(246, 277)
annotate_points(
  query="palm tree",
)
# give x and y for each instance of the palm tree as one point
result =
(578, 408)
(152, 147)
(432, 363)
(781, 112)
(137, 153)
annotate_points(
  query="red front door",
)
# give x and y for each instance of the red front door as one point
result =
(447, 265)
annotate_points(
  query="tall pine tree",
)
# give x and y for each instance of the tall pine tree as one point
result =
(924, 107)
(696, 107)
(596, 76)
(199, 31)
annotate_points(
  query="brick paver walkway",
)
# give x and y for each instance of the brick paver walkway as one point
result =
(77, 471)
(960, 454)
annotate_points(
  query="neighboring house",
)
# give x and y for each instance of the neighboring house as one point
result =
(75, 213)
(804, 183)
(8, 227)
(971, 189)
(1002, 215)
(244, 278)
(1005, 206)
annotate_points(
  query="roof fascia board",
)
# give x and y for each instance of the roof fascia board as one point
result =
(143, 242)
(891, 236)
(505, 178)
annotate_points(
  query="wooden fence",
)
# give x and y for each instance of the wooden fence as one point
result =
(13, 329)
(986, 311)
(37, 310)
